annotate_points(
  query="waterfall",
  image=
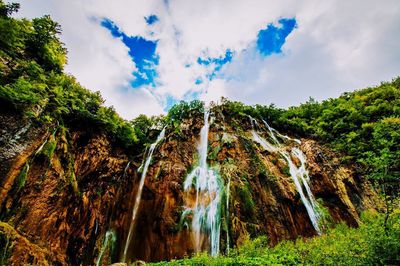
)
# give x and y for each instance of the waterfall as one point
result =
(125, 171)
(299, 174)
(109, 238)
(126, 168)
(273, 131)
(140, 189)
(41, 147)
(228, 192)
(260, 140)
(44, 143)
(208, 188)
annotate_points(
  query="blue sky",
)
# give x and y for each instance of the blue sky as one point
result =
(271, 39)
(146, 55)
(142, 52)
(215, 64)
(151, 19)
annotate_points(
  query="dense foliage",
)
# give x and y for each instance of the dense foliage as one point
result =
(352, 122)
(183, 110)
(32, 81)
(364, 125)
(366, 245)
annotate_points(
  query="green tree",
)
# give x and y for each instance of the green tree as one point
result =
(6, 10)
(384, 161)
(44, 45)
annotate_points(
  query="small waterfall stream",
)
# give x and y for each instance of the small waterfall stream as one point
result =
(126, 168)
(109, 239)
(228, 192)
(273, 132)
(208, 188)
(45, 142)
(300, 177)
(299, 174)
(40, 148)
(140, 190)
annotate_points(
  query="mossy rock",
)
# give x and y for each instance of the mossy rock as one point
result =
(20, 180)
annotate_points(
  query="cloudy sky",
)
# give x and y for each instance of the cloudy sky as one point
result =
(146, 55)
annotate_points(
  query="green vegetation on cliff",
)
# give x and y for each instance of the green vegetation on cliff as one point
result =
(32, 81)
(364, 126)
(367, 245)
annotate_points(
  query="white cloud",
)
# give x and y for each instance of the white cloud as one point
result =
(135, 102)
(338, 46)
(216, 89)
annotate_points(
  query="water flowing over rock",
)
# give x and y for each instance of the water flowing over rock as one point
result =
(140, 190)
(209, 186)
(109, 242)
(204, 188)
(299, 174)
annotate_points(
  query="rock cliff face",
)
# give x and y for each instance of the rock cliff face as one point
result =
(59, 192)
(67, 194)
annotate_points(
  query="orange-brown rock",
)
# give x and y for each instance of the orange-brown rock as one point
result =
(59, 212)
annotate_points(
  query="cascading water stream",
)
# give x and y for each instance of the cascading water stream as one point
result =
(126, 168)
(273, 131)
(299, 174)
(40, 148)
(44, 143)
(140, 190)
(257, 138)
(109, 239)
(208, 188)
(228, 193)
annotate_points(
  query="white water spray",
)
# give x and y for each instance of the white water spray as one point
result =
(140, 190)
(208, 187)
(299, 174)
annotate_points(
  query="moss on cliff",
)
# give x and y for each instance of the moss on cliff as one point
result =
(20, 180)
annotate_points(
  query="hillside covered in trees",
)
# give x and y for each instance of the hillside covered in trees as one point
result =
(63, 149)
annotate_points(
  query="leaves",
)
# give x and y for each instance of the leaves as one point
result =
(32, 82)
(366, 245)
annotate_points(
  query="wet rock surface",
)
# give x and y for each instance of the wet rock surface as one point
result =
(58, 213)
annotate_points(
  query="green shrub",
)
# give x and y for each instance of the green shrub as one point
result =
(366, 245)
(183, 110)
(32, 79)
